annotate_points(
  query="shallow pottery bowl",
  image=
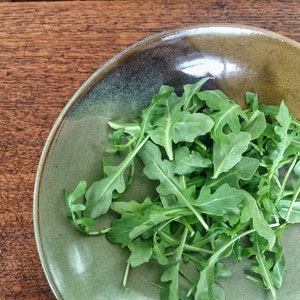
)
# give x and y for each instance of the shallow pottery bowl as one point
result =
(240, 58)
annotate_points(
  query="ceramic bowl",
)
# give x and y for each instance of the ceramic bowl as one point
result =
(240, 58)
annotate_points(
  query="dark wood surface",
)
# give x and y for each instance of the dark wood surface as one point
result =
(47, 50)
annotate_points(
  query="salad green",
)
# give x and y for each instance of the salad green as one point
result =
(227, 182)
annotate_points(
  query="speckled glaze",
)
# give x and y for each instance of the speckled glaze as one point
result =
(241, 59)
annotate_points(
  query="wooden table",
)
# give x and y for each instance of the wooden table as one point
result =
(47, 50)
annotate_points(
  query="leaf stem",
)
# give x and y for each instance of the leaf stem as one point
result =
(198, 216)
(126, 274)
(215, 256)
(99, 232)
(296, 194)
(286, 177)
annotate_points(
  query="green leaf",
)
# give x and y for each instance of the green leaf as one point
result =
(99, 195)
(279, 266)
(281, 131)
(250, 211)
(262, 265)
(223, 199)
(77, 207)
(172, 273)
(252, 100)
(157, 169)
(189, 126)
(159, 249)
(121, 228)
(284, 117)
(162, 126)
(187, 161)
(141, 252)
(215, 99)
(133, 129)
(227, 154)
(191, 89)
(222, 270)
(134, 220)
(227, 113)
(255, 124)
(76, 194)
(83, 224)
(243, 170)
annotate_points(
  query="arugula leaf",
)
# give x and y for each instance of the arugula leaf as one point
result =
(225, 112)
(281, 131)
(243, 170)
(188, 161)
(83, 224)
(191, 125)
(279, 266)
(141, 252)
(227, 154)
(251, 211)
(99, 195)
(191, 89)
(223, 199)
(169, 113)
(269, 265)
(255, 124)
(172, 273)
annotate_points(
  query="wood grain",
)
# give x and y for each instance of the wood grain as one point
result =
(47, 50)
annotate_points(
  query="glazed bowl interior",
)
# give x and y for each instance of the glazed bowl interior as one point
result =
(239, 58)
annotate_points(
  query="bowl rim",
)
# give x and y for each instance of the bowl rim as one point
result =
(204, 28)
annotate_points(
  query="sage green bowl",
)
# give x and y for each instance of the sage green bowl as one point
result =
(241, 59)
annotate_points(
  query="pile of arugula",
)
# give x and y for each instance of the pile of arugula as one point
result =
(227, 182)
